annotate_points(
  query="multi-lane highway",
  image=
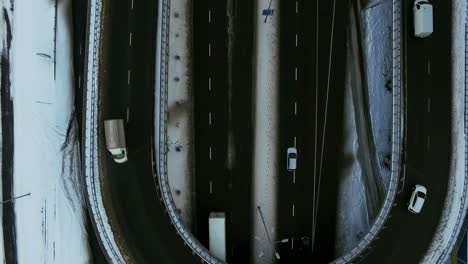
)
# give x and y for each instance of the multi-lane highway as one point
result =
(312, 55)
(223, 34)
(428, 85)
(312, 70)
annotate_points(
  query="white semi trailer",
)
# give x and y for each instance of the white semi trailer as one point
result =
(217, 235)
(115, 139)
(422, 18)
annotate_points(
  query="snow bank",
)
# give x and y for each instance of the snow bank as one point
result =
(455, 204)
(180, 105)
(51, 221)
(266, 127)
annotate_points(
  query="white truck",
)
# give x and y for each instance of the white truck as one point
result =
(115, 139)
(217, 234)
(422, 18)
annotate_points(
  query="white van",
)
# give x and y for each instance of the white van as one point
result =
(422, 16)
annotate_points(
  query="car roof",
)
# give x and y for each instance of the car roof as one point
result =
(421, 188)
(292, 150)
(418, 204)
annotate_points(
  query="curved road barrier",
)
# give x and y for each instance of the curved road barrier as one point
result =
(397, 132)
(459, 224)
(90, 157)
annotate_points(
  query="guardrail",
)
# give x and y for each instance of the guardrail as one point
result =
(397, 132)
(90, 136)
(461, 223)
(160, 143)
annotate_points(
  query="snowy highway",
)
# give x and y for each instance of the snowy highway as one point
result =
(232, 174)
(311, 116)
(223, 90)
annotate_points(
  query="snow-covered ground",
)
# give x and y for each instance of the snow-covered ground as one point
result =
(352, 217)
(376, 26)
(355, 215)
(180, 143)
(51, 225)
(266, 126)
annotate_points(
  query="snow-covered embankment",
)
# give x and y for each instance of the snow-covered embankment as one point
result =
(51, 226)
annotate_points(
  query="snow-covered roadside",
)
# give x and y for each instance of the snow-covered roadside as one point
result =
(376, 27)
(265, 158)
(352, 216)
(180, 105)
(51, 221)
(355, 215)
(455, 204)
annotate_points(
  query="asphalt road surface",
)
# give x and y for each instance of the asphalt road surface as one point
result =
(223, 34)
(312, 55)
(428, 84)
(137, 216)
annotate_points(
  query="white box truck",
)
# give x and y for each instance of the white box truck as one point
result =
(422, 18)
(217, 234)
(115, 139)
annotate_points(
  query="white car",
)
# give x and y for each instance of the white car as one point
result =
(418, 197)
(422, 18)
(292, 159)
